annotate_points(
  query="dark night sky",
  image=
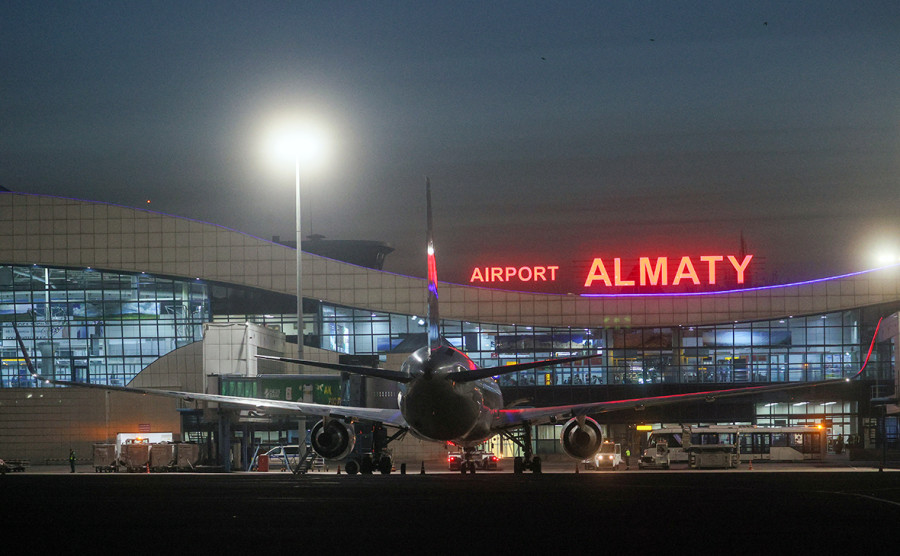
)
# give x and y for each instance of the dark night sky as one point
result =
(550, 134)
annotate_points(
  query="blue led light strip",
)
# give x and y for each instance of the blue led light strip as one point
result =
(744, 290)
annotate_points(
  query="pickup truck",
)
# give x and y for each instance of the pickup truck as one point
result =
(655, 457)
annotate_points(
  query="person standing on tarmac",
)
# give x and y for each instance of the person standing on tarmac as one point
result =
(72, 460)
(627, 458)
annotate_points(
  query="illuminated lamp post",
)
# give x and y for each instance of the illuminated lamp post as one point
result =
(306, 144)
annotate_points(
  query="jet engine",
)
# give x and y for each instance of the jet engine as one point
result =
(333, 439)
(581, 440)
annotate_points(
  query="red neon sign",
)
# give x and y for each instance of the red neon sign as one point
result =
(487, 274)
(649, 272)
(656, 273)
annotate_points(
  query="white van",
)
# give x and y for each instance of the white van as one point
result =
(609, 456)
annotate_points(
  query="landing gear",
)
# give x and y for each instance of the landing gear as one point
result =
(385, 464)
(529, 461)
(380, 460)
(368, 464)
(352, 467)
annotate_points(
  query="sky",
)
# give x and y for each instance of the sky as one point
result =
(552, 133)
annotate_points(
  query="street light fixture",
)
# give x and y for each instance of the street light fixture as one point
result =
(306, 144)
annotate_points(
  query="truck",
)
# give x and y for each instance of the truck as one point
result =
(482, 459)
(724, 454)
(656, 456)
(609, 456)
(712, 446)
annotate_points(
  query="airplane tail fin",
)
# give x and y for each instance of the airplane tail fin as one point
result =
(434, 319)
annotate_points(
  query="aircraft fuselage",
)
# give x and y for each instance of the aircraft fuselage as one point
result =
(440, 409)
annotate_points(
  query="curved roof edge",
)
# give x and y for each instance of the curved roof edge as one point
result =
(58, 231)
(742, 290)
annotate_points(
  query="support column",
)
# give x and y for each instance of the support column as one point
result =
(225, 440)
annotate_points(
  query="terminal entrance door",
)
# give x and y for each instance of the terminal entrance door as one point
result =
(80, 370)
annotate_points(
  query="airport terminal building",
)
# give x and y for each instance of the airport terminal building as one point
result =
(122, 296)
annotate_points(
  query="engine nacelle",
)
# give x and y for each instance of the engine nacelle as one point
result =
(333, 440)
(581, 441)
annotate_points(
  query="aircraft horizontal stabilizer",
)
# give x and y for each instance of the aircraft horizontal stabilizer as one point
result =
(478, 374)
(396, 376)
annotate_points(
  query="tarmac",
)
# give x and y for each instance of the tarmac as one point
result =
(773, 508)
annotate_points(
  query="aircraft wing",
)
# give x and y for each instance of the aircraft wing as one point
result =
(391, 417)
(536, 415)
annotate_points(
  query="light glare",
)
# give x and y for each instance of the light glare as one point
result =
(299, 140)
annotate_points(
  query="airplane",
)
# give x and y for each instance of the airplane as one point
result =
(445, 397)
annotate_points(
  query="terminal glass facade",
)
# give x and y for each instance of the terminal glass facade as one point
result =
(83, 324)
(795, 349)
(91, 326)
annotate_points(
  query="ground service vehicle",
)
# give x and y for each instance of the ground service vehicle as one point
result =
(655, 457)
(724, 456)
(479, 458)
(783, 443)
(284, 457)
(608, 457)
(799, 443)
(455, 461)
(490, 462)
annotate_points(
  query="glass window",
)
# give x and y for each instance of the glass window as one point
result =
(98, 326)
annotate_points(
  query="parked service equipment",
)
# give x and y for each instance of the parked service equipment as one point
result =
(134, 455)
(656, 457)
(187, 456)
(162, 456)
(721, 456)
(104, 458)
